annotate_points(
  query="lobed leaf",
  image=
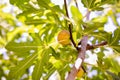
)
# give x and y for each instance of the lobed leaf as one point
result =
(115, 40)
(17, 71)
(97, 4)
(114, 76)
(88, 3)
(41, 62)
(77, 17)
(76, 14)
(23, 49)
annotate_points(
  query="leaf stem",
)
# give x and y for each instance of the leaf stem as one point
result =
(87, 16)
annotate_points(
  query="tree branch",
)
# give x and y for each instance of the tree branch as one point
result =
(71, 38)
(89, 47)
(87, 15)
(76, 3)
(80, 59)
(65, 3)
(82, 50)
(70, 26)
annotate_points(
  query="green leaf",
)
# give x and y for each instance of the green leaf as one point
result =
(1, 72)
(100, 19)
(115, 65)
(53, 30)
(11, 35)
(56, 55)
(96, 4)
(17, 71)
(50, 6)
(68, 54)
(114, 41)
(98, 8)
(76, 14)
(44, 3)
(114, 76)
(100, 55)
(23, 49)
(77, 17)
(41, 62)
(92, 26)
(96, 23)
(38, 70)
(115, 37)
(109, 1)
(57, 8)
(36, 21)
(50, 72)
(15, 2)
(119, 74)
(99, 35)
(116, 48)
(88, 3)
(22, 4)
(62, 71)
(2, 41)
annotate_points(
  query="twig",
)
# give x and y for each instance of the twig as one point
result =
(76, 3)
(89, 47)
(70, 26)
(96, 46)
(80, 59)
(71, 38)
(87, 15)
(65, 3)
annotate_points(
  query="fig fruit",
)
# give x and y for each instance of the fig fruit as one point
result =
(64, 37)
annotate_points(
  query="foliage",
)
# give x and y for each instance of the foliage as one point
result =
(33, 44)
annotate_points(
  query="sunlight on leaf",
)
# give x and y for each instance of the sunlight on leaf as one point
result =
(21, 67)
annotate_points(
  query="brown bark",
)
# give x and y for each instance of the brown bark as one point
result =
(81, 55)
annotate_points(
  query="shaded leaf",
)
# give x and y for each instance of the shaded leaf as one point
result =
(96, 4)
(44, 3)
(21, 4)
(115, 37)
(56, 55)
(37, 21)
(88, 3)
(116, 48)
(114, 41)
(91, 27)
(114, 76)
